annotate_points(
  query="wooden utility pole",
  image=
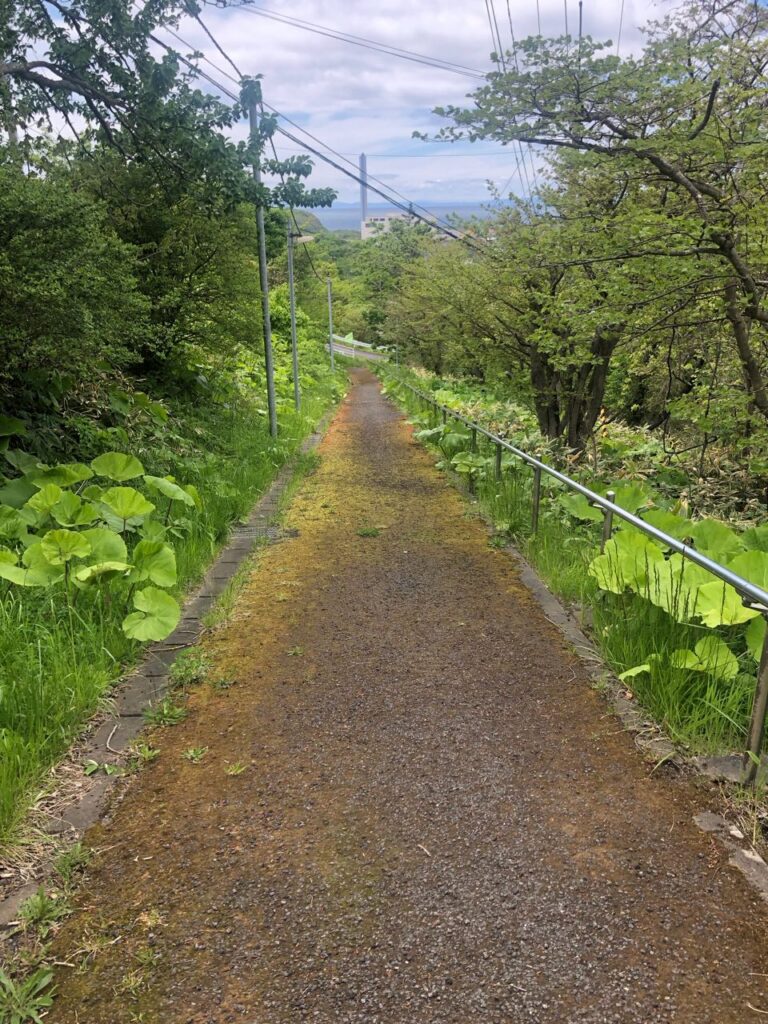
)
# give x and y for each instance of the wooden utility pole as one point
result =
(252, 97)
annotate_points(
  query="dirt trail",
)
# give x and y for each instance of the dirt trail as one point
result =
(438, 820)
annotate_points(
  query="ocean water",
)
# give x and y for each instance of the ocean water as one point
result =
(346, 216)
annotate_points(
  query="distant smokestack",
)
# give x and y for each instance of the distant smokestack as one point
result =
(363, 188)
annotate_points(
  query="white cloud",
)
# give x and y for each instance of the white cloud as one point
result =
(357, 100)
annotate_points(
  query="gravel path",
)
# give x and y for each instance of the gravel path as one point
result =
(437, 818)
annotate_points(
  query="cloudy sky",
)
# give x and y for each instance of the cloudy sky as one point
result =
(357, 100)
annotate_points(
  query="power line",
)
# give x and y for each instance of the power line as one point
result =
(225, 55)
(368, 44)
(194, 49)
(621, 25)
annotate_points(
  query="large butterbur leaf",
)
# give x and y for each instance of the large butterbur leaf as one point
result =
(157, 615)
(10, 426)
(715, 539)
(628, 560)
(718, 604)
(676, 526)
(101, 571)
(71, 510)
(155, 561)
(65, 475)
(172, 490)
(755, 636)
(710, 655)
(578, 506)
(106, 545)
(44, 500)
(61, 546)
(117, 466)
(126, 503)
(751, 566)
(756, 538)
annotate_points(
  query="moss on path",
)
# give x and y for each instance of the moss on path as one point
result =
(436, 821)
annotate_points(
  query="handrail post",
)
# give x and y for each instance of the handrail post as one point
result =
(445, 415)
(497, 464)
(757, 725)
(473, 441)
(607, 521)
(536, 499)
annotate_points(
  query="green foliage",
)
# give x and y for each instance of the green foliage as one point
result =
(23, 1002)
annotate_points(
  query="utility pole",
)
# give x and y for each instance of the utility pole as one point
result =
(294, 344)
(252, 95)
(330, 322)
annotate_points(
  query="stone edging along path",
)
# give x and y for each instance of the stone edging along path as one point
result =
(111, 735)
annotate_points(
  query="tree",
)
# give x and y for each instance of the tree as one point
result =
(687, 115)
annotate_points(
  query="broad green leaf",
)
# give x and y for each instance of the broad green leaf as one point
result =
(157, 615)
(92, 492)
(117, 466)
(34, 558)
(154, 561)
(689, 572)
(100, 569)
(668, 586)
(755, 636)
(153, 530)
(45, 498)
(468, 462)
(683, 658)
(718, 604)
(106, 545)
(64, 475)
(631, 496)
(756, 538)
(127, 502)
(70, 510)
(668, 522)
(716, 539)
(7, 556)
(170, 489)
(628, 559)
(752, 566)
(636, 670)
(717, 658)
(21, 576)
(12, 523)
(194, 494)
(578, 506)
(17, 492)
(10, 426)
(61, 546)
(23, 461)
(430, 434)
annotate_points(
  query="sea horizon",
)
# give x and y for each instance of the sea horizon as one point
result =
(346, 216)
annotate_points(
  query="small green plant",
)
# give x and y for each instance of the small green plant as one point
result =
(195, 754)
(22, 1001)
(189, 669)
(146, 956)
(223, 683)
(143, 753)
(41, 912)
(165, 713)
(132, 983)
(368, 531)
(236, 768)
(295, 652)
(91, 767)
(73, 860)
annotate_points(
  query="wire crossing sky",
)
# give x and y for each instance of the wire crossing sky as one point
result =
(371, 92)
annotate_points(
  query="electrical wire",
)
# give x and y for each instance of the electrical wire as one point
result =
(621, 25)
(223, 53)
(369, 44)
(291, 209)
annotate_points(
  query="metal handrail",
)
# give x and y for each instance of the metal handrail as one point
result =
(752, 595)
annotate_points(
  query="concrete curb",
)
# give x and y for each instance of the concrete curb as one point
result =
(108, 737)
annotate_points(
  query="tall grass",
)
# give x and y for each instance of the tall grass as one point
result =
(705, 713)
(58, 658)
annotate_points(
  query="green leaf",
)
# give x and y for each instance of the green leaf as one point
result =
(10, 426)
(468, 462)
(669, 586)
(45, 498)
(668, 522)
(99, 569)
(710, 655)
(752, 566)
(106, 545)
(22, 576)
(718, 604)
(755, 636)
(154, 561)
(61, 546)
(635, 671)
(756, 538)
(70, 510)
(64, 475)
(12, 523)
(626, 562)
(631, 496)
(117, 466)
(169, 488)
(716, 539)
(34, 558)
(157, 615)
(17, 492)
(194, 494)
(127, 502)
(578, 506)
(8, 557)
(683, 658)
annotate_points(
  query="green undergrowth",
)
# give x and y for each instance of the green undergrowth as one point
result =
(58, 657)
(683, 642)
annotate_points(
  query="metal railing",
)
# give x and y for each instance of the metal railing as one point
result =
(752, 596)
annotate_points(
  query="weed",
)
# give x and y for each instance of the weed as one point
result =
(73, 860)
(295, 652)
(22, 1001)
(165, 713)
(236, 768)
(189, 668)
(146, 956)
(91, 767)
(41, 912)
(143, 753)
(195, 754)
(368, 531)
(223, 683)
(132, 983)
